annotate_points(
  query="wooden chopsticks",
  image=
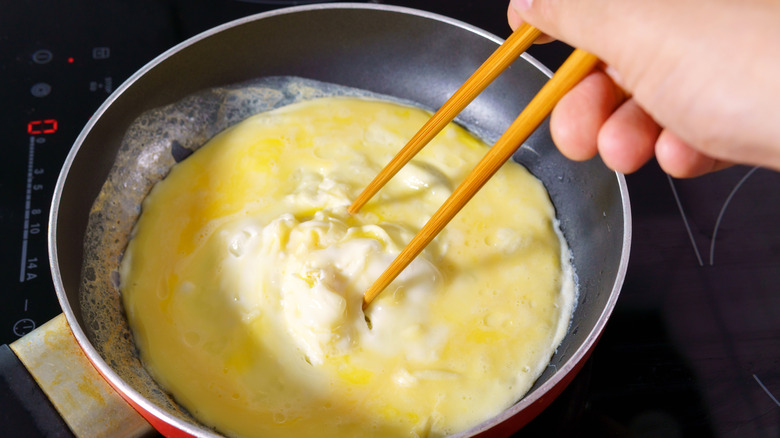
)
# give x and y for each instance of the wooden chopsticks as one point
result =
(514, 46)
(573, 70)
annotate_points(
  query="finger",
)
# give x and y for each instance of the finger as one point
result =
(513, 18)
(565, 19)
(627, 139)
(577, 118)
(593, 25)
(515, 21)
(677, 158)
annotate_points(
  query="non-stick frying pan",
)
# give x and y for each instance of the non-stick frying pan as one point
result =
(412, 55)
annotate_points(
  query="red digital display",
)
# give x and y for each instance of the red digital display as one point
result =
(37, 127)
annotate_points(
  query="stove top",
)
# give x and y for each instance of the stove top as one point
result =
(692, 348)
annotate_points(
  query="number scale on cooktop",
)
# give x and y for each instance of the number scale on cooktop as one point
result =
(54, 77)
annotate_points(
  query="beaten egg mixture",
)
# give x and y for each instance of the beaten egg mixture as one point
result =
(243, 281)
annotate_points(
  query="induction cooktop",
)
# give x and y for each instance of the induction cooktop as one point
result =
(692, 348)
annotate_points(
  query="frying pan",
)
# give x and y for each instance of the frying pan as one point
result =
(401, 52)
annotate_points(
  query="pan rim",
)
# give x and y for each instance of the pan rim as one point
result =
(129, 392)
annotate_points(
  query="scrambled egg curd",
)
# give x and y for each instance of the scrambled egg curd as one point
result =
(243, 281)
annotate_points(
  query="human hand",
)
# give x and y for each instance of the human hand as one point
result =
(696, 85)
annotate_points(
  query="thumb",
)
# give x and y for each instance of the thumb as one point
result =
(601, 27)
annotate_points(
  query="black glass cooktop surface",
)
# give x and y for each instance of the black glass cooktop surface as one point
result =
(692, 348)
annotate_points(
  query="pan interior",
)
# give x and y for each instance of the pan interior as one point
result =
(154, 143)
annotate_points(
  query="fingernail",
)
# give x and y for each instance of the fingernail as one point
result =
(521, 5)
